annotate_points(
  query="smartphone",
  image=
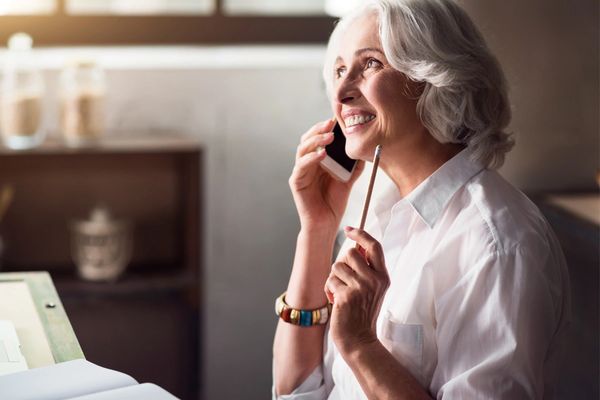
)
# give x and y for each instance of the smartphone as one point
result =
(337, 162)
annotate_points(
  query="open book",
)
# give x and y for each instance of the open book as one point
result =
(77, 379)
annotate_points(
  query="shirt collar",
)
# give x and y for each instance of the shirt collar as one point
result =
(432, 195)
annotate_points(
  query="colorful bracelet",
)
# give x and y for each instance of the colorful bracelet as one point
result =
(319, 316)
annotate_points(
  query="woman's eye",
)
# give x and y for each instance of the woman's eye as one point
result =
(373, 63)
(340, 71)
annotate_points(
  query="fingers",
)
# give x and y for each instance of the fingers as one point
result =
(357, 263)
(313, 139)
(309, 159)
(306, 165)
(345, 273)
(353, 270)
(319, 127)
(313, 143)
(329, 295)
(333, 284)
(373, 248)
(308, 154)
(354, 278)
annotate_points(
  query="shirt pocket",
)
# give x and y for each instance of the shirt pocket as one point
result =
(405, 342)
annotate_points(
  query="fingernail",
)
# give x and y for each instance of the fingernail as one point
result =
(320, 150)
(348, 228)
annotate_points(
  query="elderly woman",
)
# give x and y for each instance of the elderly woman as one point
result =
(462, 291)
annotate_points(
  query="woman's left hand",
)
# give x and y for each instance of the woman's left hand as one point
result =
(358, 283)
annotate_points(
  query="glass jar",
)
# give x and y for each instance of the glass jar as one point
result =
(21, 94)
(101, 246)
(82, 97)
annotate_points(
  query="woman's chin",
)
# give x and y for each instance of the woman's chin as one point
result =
(360, 152)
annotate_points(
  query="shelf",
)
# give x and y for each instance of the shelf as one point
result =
(153, 180)
(158, 190)
(125, 142)
(68, 284)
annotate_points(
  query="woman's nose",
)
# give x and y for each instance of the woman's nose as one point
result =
(347, 90)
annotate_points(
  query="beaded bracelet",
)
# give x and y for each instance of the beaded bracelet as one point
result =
(319, 316)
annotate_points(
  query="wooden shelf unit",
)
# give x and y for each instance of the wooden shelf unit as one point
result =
(150, 316)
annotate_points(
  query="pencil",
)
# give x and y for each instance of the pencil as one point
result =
(363, 219)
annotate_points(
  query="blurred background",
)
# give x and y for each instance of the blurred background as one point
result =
(176, 121)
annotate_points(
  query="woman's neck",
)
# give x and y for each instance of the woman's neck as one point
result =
(409, 164)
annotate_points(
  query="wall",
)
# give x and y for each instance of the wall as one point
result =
(549, 50)
(250, 106)
(250, 117)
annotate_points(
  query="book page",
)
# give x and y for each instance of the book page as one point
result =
(16, 305)
(61, 381)
(144, 391)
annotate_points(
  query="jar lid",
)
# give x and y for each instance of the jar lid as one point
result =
(100, 222)
(20, 41)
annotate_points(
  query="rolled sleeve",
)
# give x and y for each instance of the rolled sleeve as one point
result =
(313, 388)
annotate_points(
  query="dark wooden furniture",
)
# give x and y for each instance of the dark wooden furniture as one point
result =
(146, 323)
(580, 241)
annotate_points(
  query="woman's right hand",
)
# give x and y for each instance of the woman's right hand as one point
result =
(319, 197)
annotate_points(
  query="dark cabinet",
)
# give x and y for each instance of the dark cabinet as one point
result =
(580, 241)
(145, 324)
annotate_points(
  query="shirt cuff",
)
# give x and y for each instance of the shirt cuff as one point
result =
(313, 388)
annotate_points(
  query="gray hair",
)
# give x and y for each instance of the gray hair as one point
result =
(465, 96)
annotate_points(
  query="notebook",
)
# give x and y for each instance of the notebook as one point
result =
(77, 379)
(11, 358)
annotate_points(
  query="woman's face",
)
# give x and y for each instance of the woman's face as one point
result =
(374, 103)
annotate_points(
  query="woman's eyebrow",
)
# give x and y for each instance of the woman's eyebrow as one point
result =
(361, 51)
(367, 49)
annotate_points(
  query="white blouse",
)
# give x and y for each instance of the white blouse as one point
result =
(479, 294)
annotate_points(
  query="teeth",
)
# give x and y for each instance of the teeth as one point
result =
(358, 119)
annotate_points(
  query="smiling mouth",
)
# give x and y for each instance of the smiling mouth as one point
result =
(358, 120)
